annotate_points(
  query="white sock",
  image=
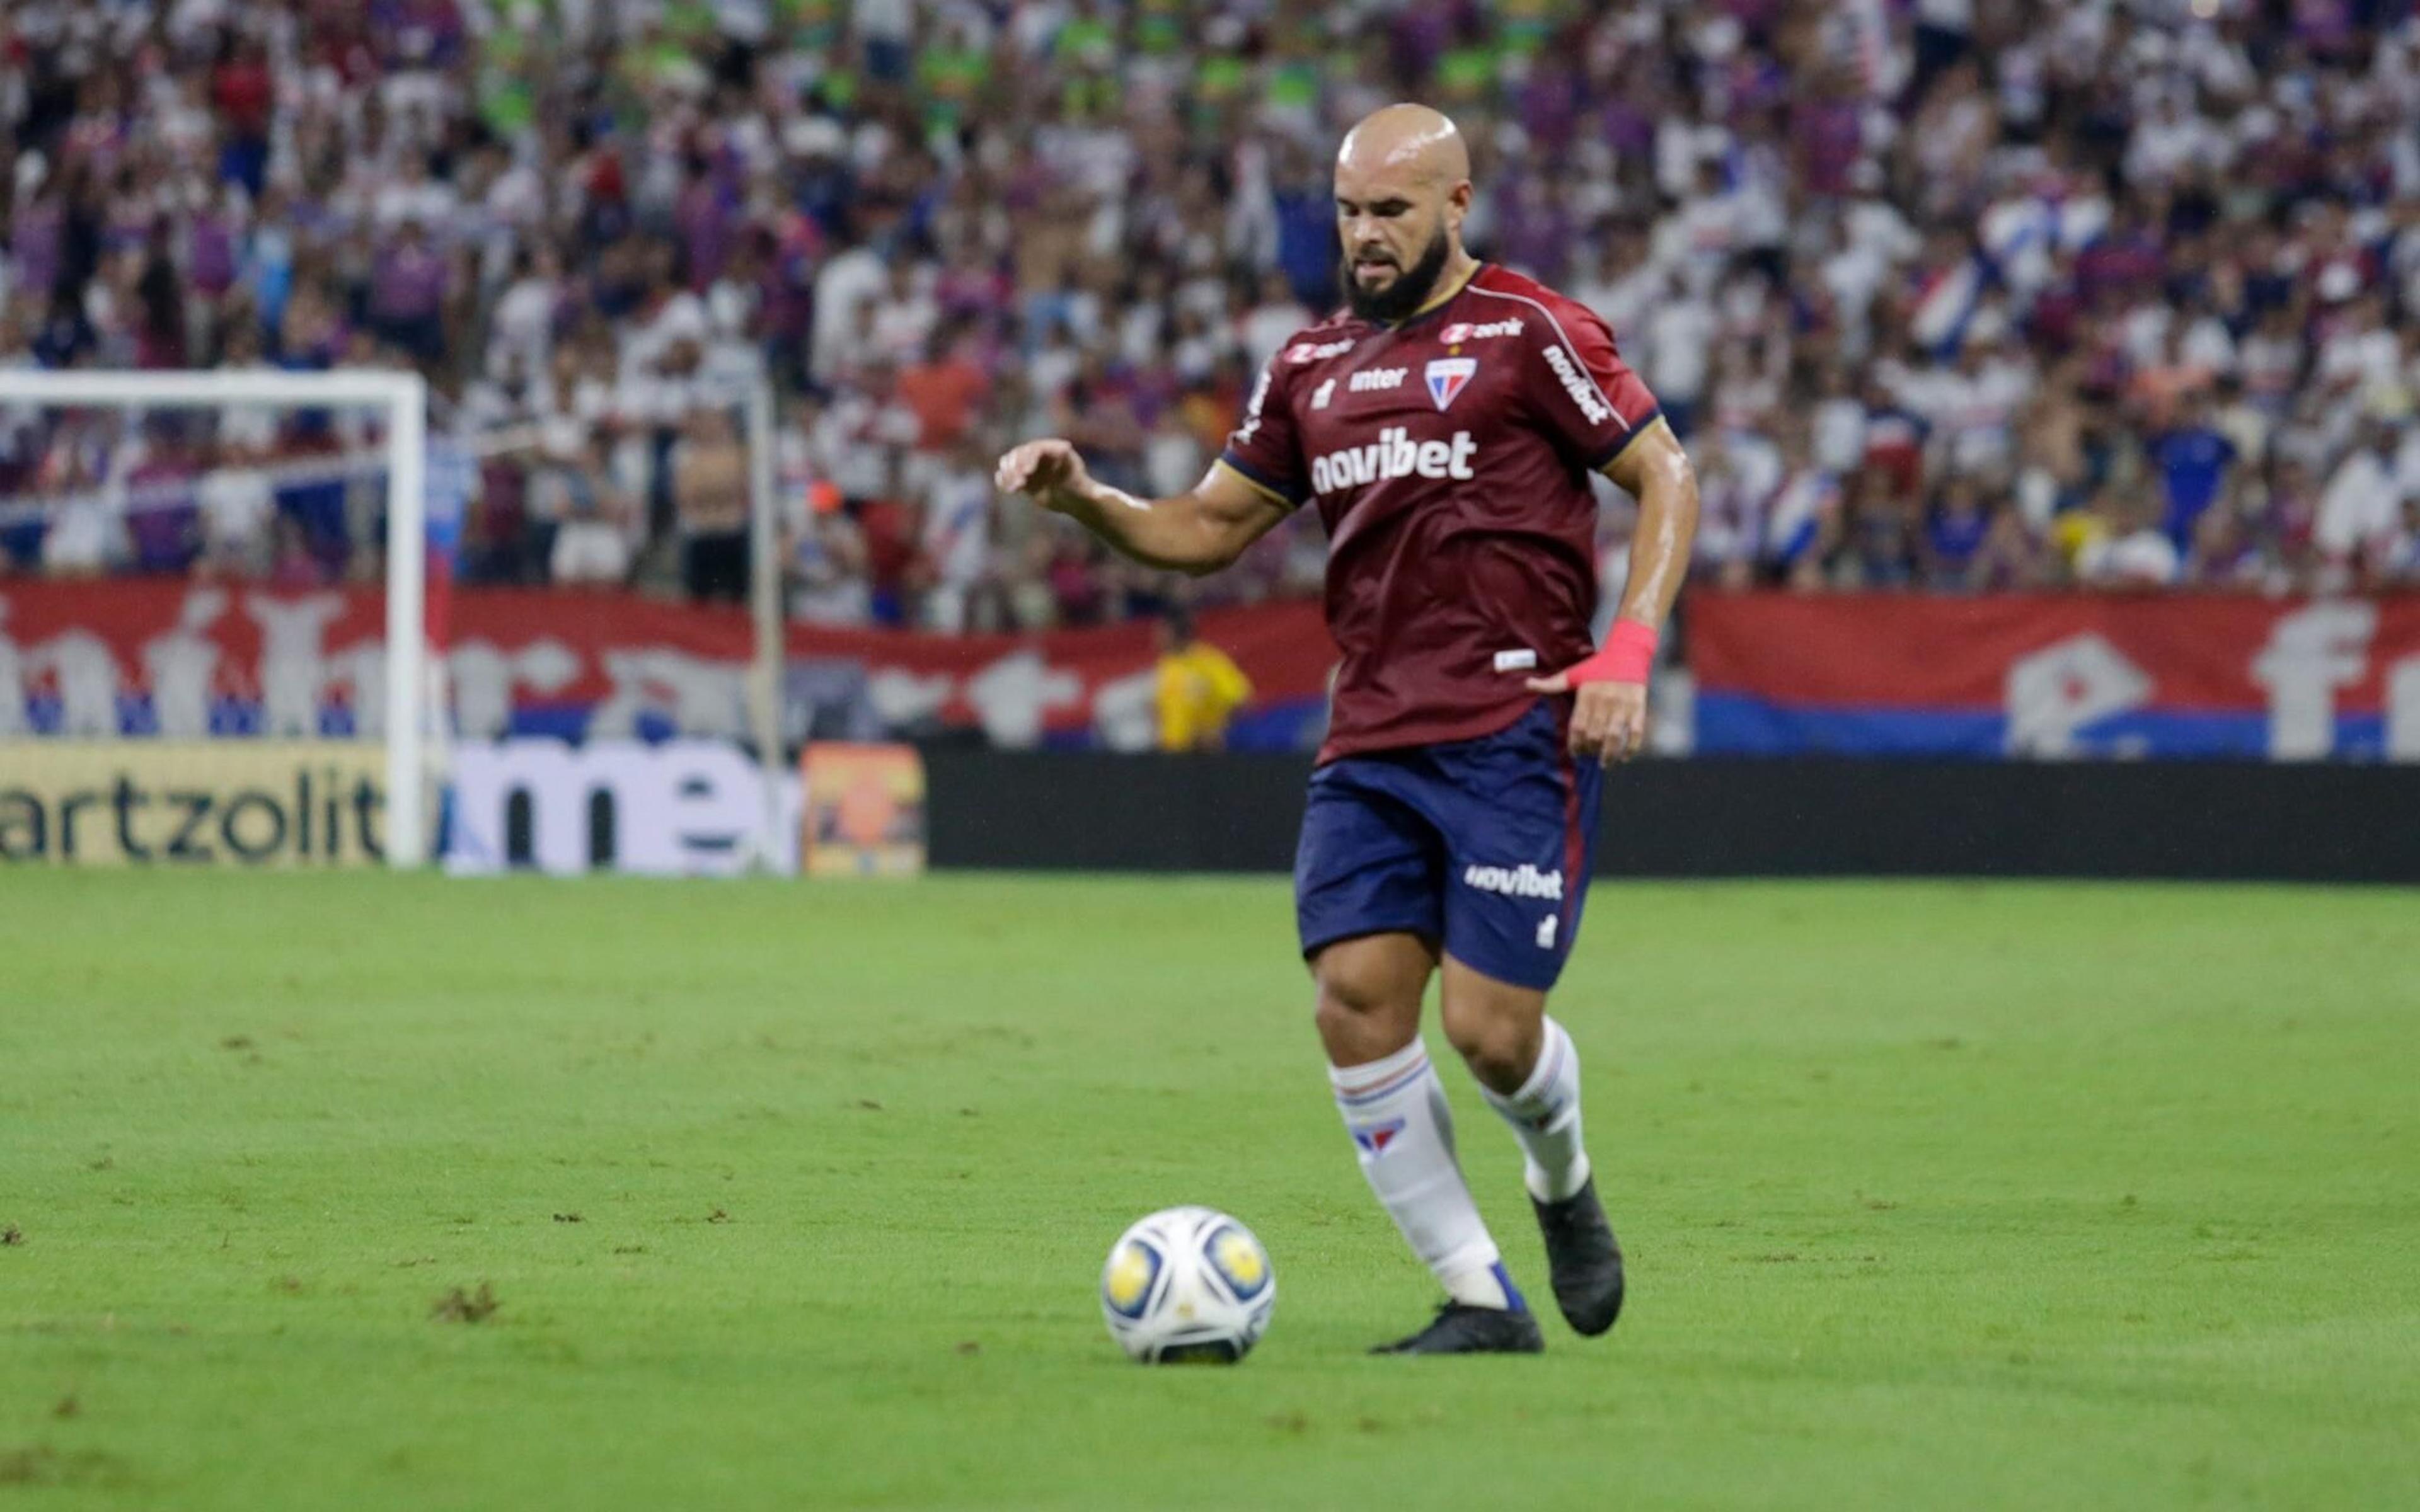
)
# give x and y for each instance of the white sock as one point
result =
(1396, 1112)
(1544, 1116)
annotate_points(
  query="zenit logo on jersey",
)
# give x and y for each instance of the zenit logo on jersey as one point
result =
(1460, 331)
(1393, 455)
(1303, 351)
(1447, 377)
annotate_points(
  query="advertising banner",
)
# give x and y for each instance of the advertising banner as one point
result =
(2047, 676)
(677, 808)
(2057, 676)
(182, 660)
(254, 803)
(866, 811)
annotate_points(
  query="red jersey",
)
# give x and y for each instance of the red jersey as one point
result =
(1450, 457)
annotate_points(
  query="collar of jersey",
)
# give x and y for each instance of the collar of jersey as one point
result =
(1435, 304)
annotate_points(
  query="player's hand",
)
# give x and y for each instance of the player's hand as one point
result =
(1608, 719)
(1049, 469)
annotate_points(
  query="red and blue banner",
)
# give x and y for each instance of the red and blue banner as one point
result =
(195, 660)
(1776, 674)
(2056, 675)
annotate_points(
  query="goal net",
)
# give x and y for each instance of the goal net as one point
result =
(215, 616)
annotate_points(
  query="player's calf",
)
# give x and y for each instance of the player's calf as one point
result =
(1396, 1112)
(1543, 1110)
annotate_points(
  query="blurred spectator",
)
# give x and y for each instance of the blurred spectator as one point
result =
(2362, 503)
(1199, 686)
(408, 294)
(944, 391)
(2397, 561)
(2132, 552)
(956, 541)
(1941, 291)
(1954, 532)
(824, 562)
(2193, 458)
(591, 540)
(162, 522)
(236, 508)
(709, 481)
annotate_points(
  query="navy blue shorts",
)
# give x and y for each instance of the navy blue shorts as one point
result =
(1483, 845)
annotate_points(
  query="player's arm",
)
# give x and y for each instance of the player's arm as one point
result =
(1655, 470)
(1199, 532)
(1609, 715)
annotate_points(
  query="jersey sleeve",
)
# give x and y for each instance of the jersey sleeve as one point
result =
(1592, 402)
(1265, 449)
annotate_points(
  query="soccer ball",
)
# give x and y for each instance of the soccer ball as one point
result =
(1187, 1284)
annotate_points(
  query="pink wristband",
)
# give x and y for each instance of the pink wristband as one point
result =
(1628, 652)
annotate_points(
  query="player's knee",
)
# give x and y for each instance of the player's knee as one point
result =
(1368, 1005)
(1336, 1021)
(1346, 1000)
(1499, 1043)
(1356, 1030)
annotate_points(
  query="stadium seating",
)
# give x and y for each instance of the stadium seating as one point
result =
(1959, 297)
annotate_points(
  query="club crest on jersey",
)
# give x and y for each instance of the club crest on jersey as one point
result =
(1375, 1138)
(1449, 376)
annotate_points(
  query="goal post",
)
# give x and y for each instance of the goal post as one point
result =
(401, 398)
(768, 664)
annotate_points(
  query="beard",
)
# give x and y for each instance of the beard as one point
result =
(1407, 293)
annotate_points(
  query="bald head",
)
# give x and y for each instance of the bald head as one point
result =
(1403, 187)
(1407, 140)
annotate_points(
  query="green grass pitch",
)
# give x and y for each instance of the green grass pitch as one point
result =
(794, 1196)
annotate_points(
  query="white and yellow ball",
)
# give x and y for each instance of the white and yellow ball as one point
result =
(1189, 1284)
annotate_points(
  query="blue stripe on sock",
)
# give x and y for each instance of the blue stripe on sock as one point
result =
(1385, 1088)
(1513, 1299)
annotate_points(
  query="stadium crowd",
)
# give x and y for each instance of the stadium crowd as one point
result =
(1941, 294)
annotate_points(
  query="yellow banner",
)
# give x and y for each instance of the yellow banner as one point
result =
(249, 803)
(865, 811)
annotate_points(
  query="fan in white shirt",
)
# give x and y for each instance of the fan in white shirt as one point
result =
(2364, 501)
(2137, 554)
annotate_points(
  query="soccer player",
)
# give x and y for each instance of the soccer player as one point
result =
(1445, 423)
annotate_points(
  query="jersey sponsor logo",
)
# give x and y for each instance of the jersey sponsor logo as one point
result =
(1377, 379)
(1303, 351)
(1523, 881)
(1252, 409)
(1447, 377)
(1393, 455)
(1460, 331)
(1593, 406)
(1320, 395)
